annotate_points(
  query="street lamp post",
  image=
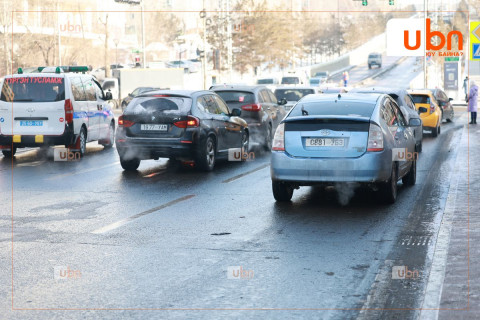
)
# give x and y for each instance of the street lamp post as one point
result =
(116, 41)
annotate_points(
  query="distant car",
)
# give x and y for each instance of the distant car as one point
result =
(186, 65)
(260, 108)
(327, 140)
(111, 85)
(183, 125)
(322, 75)
(429, 111)
(374, 59)
(444, 102)
(99, 73)
(291, 80)
(292, 94)
(407, 106)
(315, 82)
(267, 81)
(135, 93)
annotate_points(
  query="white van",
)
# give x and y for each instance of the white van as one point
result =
(57, 106)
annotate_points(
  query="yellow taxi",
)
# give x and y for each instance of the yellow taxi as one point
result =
(428, 108)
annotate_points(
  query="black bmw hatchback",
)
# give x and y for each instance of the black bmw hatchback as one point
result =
(182, 125)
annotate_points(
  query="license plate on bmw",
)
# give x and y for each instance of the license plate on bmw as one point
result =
(154, 127)
(31, 123)
(325, 142)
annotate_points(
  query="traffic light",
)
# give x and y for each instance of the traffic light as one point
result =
(364, 3)
(391, 2)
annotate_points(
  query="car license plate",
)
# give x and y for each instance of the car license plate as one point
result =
(325, 142)
(154, 127)
(31, 123)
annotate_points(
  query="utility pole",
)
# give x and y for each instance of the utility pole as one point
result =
(229, 43)
(59, 39)
(143, 36)
(425, 4)
(204, 58)
(107, 63)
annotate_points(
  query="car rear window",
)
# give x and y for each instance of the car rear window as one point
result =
(330, 108)
(292, 94)
(166, 105)
(314, 81)
(421, 98)
(290, 80)
(33, 89)
(265, 81)
(236, 96)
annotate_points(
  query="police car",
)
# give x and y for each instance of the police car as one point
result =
(54, 106)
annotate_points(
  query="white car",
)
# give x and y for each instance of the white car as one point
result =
(58, 106)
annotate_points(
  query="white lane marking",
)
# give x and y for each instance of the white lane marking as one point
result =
(82, 171)
(141, 214)
(246, 173)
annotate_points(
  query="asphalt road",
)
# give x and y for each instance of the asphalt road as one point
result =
(158, 243)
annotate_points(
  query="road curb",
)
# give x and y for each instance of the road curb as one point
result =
(436, 277)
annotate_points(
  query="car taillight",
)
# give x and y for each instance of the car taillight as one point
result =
(191, 122)
(432, 108)
(252, 107)
(375, 138)
(68, 111)
(279, 138)
(122, 122)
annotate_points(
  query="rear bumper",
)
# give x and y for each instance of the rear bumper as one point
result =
(372, 167)
(143, 148)
(23, 141)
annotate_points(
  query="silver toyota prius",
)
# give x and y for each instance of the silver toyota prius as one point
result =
(347, 138)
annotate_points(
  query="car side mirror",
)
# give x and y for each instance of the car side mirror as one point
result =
(108, 95)
(422, 110)
(130, 95)
(415, 122)
(450, 99)
(236, 112)
(282, 102)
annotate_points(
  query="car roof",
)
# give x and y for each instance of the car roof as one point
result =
(386, 90)
(421, 91)
(352, 97)
(294, 87)
(185, 93)
(237, 88)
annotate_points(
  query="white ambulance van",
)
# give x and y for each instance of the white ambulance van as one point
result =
(56, 106)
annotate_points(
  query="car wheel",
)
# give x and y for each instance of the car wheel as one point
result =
(130, 164)
(245, 141)
(411, 177)
(420, 147)
(111, 136)
(82, 138)
(206, 155)
(389, 189)
(379, 66)
(435, 131)
(282, 191)
(9, 153)
(369, 66)
(452, 115)
(268, 139)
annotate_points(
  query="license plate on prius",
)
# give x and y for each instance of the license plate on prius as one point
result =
(325, 142)
(31, 123)
(154, 127)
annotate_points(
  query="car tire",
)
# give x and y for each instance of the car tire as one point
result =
(411, 177)
(111, 134)
(268, 139)
(379, 66)
(245, 141)
(282, 191)
(82, 142)
(389, 189)
(129, 165)
(452, 115)
(419, 147)
(206, 155)
(369, 66)
(435, 132)
(9, 153)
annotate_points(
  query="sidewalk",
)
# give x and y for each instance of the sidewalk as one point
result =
(454, 282)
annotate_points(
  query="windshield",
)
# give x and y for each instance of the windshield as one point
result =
(421, 98)
(237, 96)
(290, 80)
(292, 94)
(329, 108)
(33, 89)
(265, 81)
(155, 105)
